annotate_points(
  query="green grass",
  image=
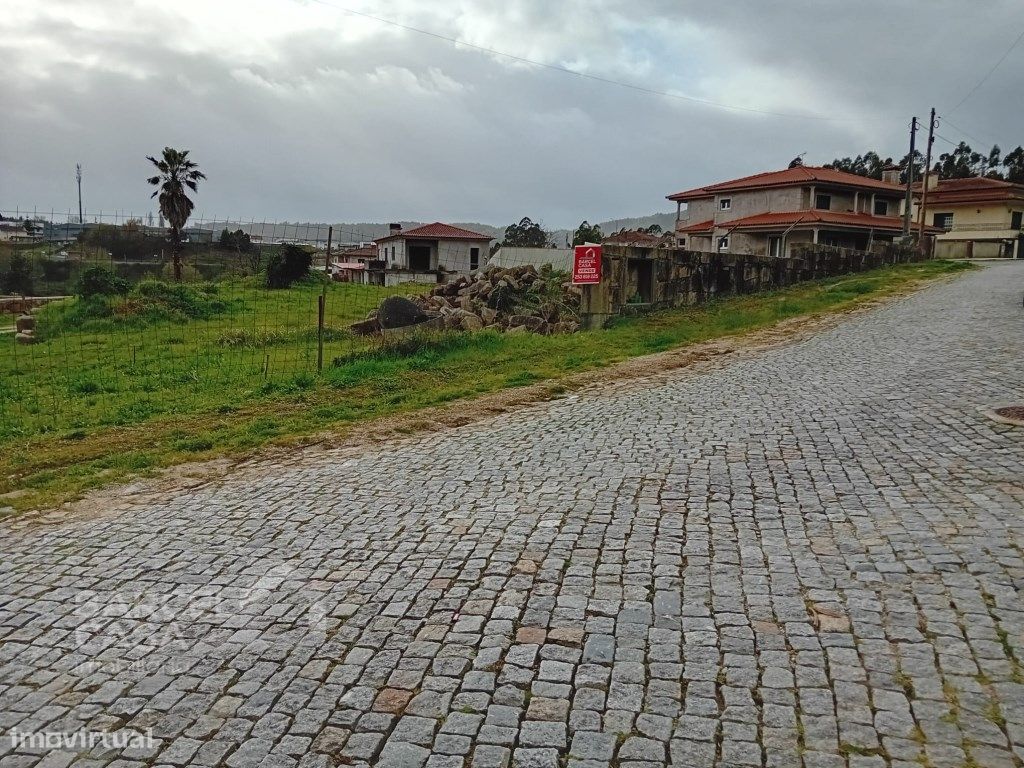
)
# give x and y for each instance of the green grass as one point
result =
(93, 405)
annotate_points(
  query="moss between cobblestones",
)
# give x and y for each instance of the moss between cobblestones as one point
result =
(49, 469)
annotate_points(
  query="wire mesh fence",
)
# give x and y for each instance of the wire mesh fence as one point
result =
(104, 322)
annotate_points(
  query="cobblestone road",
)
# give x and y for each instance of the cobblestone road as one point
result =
(808, 557)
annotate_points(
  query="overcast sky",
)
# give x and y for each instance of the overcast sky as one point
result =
(299, 110)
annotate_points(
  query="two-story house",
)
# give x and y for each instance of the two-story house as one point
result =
(769, 213)
(978, 218)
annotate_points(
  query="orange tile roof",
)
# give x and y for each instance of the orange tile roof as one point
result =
(973, 190)
(437, 231)
(815, 217)
(799, 175)
(702, 226)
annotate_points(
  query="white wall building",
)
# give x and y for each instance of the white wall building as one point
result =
(434, 247)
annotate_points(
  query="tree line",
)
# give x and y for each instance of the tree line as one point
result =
(530, 234)
(962, 162)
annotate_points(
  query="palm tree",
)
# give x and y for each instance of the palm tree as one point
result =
(176, 173)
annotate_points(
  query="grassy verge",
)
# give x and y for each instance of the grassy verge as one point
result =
(44, 469)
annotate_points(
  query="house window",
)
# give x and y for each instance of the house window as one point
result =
(723, 243)
(775, 246)
(944, 220)
(725, 204)
(823, 202)
(474, 259)
(392, 253)
(881, 207)
(1017, 220)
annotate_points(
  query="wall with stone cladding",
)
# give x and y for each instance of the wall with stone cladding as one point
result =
(683, 277)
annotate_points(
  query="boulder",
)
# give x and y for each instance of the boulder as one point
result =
(531, 322)
(565, 327)
(471, 322)
(25, 323)
(398, 312)
(25, 337)
(518, 329)
(365, 327)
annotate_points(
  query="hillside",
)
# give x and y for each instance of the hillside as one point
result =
(347, 233)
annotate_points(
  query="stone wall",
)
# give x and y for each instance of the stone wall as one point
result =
(14, 305)
(640, 279)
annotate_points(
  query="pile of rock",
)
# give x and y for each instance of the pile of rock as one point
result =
(516, 300)
(25, 330)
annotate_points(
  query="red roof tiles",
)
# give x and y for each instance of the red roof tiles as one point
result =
(814, 217)
(799, 175)
(437, 231)
(973, 190)
(701, 226)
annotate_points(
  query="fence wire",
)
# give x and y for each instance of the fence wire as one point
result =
(99, 328)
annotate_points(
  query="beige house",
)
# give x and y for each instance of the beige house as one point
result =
(977, 218)
(768, 213)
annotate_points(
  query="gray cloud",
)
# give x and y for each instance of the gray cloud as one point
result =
(320, 115)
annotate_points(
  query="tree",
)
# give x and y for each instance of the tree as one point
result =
(962, 163)
(18, 277)
(237, 241)
(177, 173)
(1013, 162)
(290, 264)
(918, 163)
(525, 234)
(870, 164)
(587, 233)
(654, 229)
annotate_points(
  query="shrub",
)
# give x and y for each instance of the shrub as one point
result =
(18, 277)
(189, 274)
(178, 300)
(289, 265)
(99, 281)
(56, 271)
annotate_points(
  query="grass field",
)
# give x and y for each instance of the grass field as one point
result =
(97, 404)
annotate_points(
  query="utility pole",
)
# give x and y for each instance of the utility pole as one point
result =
(932, 125)
(78, 175)
(910, 178)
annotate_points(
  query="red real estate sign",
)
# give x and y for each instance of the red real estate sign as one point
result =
(586, 265)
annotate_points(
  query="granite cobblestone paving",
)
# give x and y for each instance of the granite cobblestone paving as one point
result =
(809, 556)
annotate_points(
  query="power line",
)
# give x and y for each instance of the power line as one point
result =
(965, 133)
(948, 141)
(584, 75)
(989, 73)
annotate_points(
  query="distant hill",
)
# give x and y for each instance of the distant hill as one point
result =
(345, 233)
(666, 221)
(351, 233)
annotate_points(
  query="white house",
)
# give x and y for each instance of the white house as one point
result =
(433, 247)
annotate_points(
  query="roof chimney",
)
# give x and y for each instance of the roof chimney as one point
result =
(394, 228)
(891, 174)
(932, 180)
